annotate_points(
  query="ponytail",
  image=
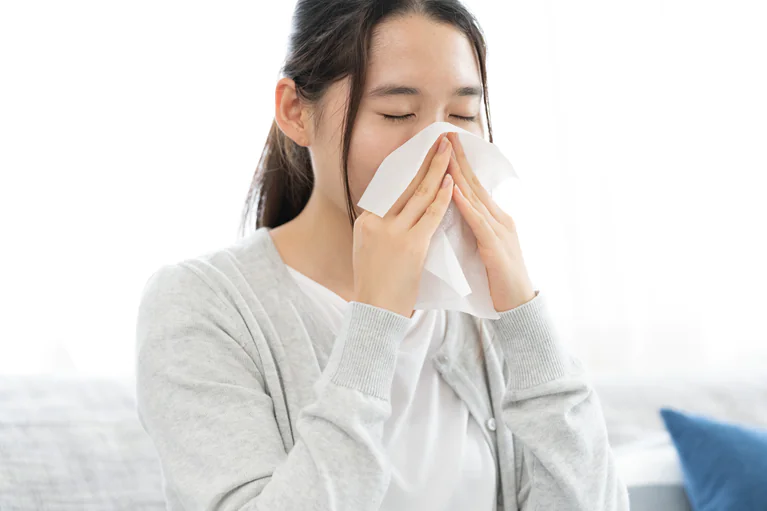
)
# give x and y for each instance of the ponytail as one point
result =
(282, 183)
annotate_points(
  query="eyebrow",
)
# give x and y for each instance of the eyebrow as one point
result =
(390, 89)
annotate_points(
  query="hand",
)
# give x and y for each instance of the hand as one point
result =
(389, 252)
(496, 234)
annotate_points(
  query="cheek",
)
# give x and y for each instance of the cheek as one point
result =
(368, 149)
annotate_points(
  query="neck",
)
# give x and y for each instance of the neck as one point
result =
(318, 243)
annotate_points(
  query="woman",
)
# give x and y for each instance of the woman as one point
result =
(290, 371)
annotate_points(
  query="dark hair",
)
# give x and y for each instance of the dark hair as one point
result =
(329, 41)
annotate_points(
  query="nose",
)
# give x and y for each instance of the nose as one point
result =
(430, 119)
(439, 116)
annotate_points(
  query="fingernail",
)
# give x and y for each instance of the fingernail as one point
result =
(446, 181)
(443, 145)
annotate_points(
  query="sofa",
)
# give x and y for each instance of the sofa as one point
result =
(69, 443)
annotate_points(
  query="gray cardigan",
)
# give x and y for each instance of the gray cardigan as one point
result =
(253, 404)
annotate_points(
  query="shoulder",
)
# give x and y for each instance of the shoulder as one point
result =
(206, 306)
(176, 304)
(218, 287)
(177, 291)
(215, 276)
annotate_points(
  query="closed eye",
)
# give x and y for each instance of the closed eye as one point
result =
(399, 118)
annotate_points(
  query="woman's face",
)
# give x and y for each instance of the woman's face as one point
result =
(433, 60)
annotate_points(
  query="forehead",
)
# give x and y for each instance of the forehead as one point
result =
(419, 51)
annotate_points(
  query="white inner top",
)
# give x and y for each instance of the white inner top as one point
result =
(439, 456)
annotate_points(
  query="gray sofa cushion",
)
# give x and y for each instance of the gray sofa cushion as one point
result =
(660, 497)
(631, 404)
(69, 444)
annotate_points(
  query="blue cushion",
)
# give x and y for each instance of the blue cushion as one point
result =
(724, 465)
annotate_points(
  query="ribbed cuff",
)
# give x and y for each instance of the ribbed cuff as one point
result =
(367, 352)
(530, 344)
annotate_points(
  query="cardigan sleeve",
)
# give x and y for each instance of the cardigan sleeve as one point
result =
(555, 417)
(201, 397)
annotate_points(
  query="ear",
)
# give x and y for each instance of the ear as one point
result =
(291, 114)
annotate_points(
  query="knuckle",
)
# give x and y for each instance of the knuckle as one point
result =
(372, 225)
(434, 210)
(365, 224)
(422, 190)
(391, 229)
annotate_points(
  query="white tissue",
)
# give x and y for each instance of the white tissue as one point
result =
(454, 276)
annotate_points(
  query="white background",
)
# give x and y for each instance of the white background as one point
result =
(129, 133)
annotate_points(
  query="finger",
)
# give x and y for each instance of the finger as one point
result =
(459, 171)
(425, 192)
(480, 225)
(468, 194)
(397, 207)
(360, 221)
(431, 218)
(361, 217)
(472, 188)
